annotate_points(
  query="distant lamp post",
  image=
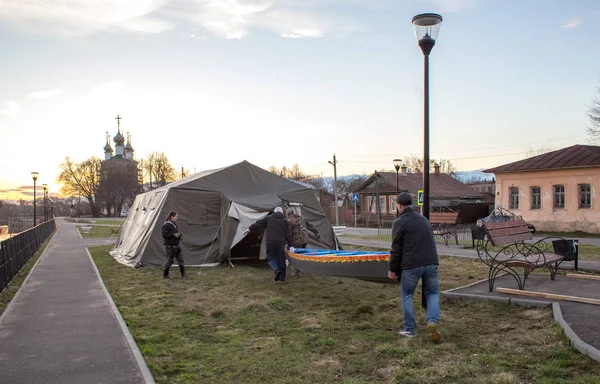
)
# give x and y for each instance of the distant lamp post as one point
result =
(397, 163)
(427, 27)
(45, 187)
(34, 175)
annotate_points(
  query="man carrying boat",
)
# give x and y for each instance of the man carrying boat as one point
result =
(413, 256)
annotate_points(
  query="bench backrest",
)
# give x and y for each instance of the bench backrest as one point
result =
(505, 232)
(443, 217)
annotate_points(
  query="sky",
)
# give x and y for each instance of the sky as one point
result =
(282, 82)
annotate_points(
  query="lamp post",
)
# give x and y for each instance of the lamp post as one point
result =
(45, 187)
(34, 175)
(427, 27)
(397, 163)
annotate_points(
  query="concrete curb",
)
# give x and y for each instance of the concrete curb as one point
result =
(137, 354)
(14, 299)
(576, 342)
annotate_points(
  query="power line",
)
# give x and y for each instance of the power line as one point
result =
(488, 148)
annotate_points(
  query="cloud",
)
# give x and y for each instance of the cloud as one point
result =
(572, 24)
(229, 19)
(452, 6)
(47, 94)
(81, 17)
(12, 109)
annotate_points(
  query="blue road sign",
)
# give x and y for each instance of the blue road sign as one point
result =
(420, 197)
(355, 197)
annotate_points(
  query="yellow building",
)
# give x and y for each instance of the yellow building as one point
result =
(554, 191)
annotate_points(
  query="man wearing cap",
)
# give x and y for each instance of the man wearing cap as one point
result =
(413, 256)
(278, 235)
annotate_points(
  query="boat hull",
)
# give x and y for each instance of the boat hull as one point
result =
(363, 265)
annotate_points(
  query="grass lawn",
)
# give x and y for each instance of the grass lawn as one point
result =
(100, 232)
(236, 325)
(10, 291)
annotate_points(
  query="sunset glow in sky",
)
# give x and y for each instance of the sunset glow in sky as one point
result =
(279, 82)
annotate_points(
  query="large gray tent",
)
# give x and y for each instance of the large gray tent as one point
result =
(215, 207)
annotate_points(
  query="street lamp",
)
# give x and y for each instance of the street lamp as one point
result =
(397, 163)
(45, 187)
(427, 27)
(34, 175)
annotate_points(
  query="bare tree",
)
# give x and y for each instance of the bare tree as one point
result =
(416, 164)
(81, 179)
(118, 183)
(593, 129)
(158, 170)
(530, 152)
(315, 181)
(291, 173)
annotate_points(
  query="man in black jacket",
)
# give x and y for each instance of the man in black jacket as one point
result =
(279, 234)
(171, 237)
(414, 256)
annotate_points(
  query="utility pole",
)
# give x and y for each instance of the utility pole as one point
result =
(182, 174)
(337, 216)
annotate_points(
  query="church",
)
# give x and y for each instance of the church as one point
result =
(119, 175)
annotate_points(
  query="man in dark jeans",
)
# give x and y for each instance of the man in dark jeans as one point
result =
(414, 256)
(278, 235)
(171, 237)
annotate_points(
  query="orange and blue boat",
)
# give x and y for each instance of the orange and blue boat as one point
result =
(359, 264)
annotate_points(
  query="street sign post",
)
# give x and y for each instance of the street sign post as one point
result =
(355, 200)
(420, 197)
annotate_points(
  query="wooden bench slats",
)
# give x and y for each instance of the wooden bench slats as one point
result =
(442, 221)
(509, 231)
(505, 224)
(443, 217)
(517, 238)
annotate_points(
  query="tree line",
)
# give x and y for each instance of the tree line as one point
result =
(108, 184)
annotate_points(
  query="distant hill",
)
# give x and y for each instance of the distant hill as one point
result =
(475, 175)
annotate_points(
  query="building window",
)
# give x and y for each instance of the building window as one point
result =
(559, 196)
(392, 204)
(372, 207)
(536, 198)
(382, 204)
(513, 202)
(585, 196)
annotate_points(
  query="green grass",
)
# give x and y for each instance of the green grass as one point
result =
(10, 291)
(236, 325)
(100, 232)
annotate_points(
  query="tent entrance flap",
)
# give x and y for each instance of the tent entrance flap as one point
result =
(251, 245)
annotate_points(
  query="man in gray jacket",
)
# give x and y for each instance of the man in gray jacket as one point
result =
(413, 256)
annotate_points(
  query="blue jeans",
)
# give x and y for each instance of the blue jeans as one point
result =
(276, 259)
(409, 281)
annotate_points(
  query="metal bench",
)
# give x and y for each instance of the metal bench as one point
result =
(505, 249)
(445, 224)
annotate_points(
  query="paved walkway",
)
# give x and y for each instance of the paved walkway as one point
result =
(61, 327)
(458, 251)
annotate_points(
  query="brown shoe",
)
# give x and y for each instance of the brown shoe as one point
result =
(434, 332)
